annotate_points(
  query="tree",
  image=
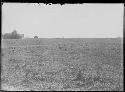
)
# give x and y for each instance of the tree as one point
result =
(14, 35)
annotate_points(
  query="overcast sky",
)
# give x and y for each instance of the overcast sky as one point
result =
(70, 21)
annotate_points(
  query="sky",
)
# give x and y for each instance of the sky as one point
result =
(68, 21)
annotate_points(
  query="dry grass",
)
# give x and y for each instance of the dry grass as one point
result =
(63, 64)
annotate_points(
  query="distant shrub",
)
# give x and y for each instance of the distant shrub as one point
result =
(35, 36)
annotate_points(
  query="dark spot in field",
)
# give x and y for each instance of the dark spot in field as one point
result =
(97, 78)
(79, 77)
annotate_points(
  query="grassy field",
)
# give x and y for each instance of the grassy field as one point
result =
(90, 64)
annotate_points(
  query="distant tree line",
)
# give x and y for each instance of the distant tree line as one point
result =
(12, 35)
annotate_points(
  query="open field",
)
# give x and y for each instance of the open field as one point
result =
(62, 64)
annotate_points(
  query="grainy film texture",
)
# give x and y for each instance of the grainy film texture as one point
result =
(62, 48)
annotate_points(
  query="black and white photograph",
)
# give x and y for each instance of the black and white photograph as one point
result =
(53, 47)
